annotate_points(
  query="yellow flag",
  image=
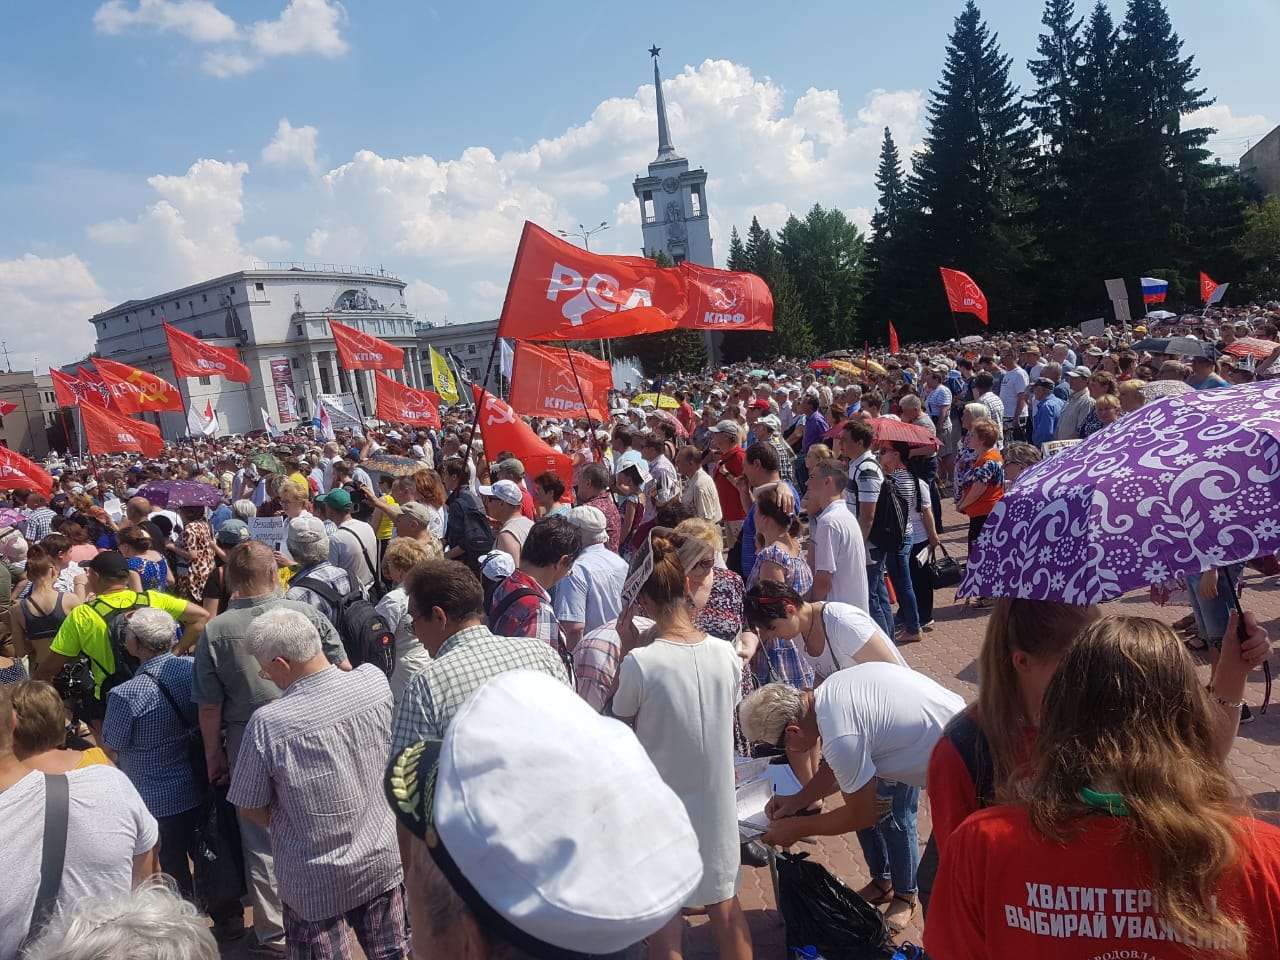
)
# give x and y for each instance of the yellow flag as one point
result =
(446, 386)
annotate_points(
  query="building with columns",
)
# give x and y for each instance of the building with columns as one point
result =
(277, 317)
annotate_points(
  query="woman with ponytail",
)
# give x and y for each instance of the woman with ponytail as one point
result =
(1133, 839)
(678, 687)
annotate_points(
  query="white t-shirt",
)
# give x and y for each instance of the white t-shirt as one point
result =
(345, 550)
(838, 549)
(107, 826)
(848, 629)
(865, 478)
(1014, 382)
(881, 720)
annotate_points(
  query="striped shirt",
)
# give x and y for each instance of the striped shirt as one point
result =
(316, 758)
(910, 490)
(465, 661)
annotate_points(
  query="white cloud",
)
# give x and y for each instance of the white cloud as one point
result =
(1235, 135)
(198, 20)
(270, 246)
(424, 298)
(190, 233)
(303, 27)
(292, 146)
(51, 298)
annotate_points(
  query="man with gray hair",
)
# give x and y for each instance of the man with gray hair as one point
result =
(150, 723)
(228, 690)
(310, 770)
(591, 594)
(309, 545)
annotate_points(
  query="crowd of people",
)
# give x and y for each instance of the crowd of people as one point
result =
(407, 698)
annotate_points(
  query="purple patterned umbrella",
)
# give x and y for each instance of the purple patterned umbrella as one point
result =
(181, 493)
(1181, 485)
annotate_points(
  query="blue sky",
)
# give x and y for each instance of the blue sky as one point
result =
(157, 142)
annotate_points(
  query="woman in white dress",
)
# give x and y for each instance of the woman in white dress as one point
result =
(679, 690)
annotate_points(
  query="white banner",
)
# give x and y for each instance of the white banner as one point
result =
(343, 413)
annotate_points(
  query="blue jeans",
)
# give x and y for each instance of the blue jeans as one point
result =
(891, 847)
(899, 567)
(878, 594)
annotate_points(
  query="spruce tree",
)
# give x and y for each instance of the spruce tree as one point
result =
(890, 279)
(972, 179)
(737, 259)
(1051, 105)
(823, 255)
(890, 187)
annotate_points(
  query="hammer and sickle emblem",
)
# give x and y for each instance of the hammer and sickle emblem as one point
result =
(499, 415)
(150, 390)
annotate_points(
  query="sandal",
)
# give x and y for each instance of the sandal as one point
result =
(899, 923)
(1193, 642)
(877, 892)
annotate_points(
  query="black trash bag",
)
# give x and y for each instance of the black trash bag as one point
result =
(821, 912)
(218, 878)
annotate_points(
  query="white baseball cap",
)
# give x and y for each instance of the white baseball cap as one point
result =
(504, 490)
(518, 816)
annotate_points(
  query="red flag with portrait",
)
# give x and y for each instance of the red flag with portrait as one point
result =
(17, 472)
(502, 430)
(358, 350)
(398, 403)
(137, 391)
(106, 431)
(544, 383)
(963, 294)
(193, 357)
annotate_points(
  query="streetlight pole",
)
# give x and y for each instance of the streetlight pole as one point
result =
(585, 236)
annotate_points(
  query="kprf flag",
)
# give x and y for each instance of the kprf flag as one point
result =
(193, 357)
(269, 424)
(506, 358)
(559, 291)
(963, 294)
(106, 431)
(201, 424)
(398, 403)
(1154, 290)
(893, 339)
(137, 391)
(7, 407)
(17, 472)
(502, 429)
(362, 351)
(553, 382)
(442, 377)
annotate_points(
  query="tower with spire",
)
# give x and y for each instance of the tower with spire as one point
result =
(673, 198)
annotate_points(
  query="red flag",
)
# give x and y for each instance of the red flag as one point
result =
(7, 407)
(398, 403)
(1207, 287)
(963, 294)
(136, 391)
(543, 383)
(17, 472)
(362, 351)
(502, 429)
(66, 388)
(193, 357)
(894, 346)
(106, 431)
(98, 391)
(725, 300)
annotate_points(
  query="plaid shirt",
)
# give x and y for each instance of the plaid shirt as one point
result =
(612, 521)
(529, 616)
(331, 576)
(595, 664)
(465, 661)
(38, 523)
(151, 739)
(786, 461)
(788, 665)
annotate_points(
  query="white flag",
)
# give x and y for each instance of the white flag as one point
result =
(290, 405)
(326, 424)
(268, 424)
(507, 359)
(201, 424)
(1219, 292)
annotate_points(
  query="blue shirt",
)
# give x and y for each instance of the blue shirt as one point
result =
(815, 425)
(1044, 425)
(151, 739)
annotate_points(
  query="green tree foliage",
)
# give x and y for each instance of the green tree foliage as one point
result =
(887, 275)
(822, 256)
(1259, 248)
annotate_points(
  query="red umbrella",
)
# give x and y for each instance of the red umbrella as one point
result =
(1252, 347)
(888, 430)
(822, 365)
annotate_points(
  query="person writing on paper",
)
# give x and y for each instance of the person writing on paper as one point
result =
(877, 723)
(678, 690)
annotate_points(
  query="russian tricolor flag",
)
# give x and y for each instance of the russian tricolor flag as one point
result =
(1153, 289)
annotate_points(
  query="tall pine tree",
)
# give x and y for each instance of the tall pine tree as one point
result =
(888, 277)
(972, 180)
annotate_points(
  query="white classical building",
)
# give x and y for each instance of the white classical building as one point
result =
(276, 315)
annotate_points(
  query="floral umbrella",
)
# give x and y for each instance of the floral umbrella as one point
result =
(1184, 484)
(181, 493)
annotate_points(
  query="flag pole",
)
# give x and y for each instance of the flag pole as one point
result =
(484, 388)
(591, 424)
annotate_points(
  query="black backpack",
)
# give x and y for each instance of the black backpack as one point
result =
(889, 525)
(365, 633)
(117, 619)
